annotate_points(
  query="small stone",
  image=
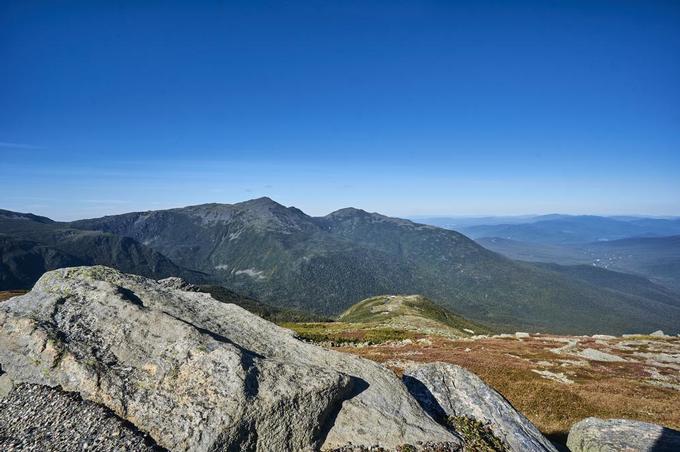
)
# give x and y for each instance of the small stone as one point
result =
(597, 355)
(6, 385)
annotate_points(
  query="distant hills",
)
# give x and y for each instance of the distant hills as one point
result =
(657, 297)
(648, 247)
(566, 229)
(458, 223)
(656, 258)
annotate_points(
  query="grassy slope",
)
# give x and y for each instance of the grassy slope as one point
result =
(388, 309)
(386, 318)
(7, 294)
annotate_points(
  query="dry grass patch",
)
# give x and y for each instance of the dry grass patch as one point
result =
(603, 389)
(341, 333)
(631, 389)
(7, 294)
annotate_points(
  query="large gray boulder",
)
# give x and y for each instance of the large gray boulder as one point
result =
(614, 435)
(198, 374)
(448, 390)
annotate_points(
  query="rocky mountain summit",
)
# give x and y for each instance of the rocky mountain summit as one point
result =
(94, 358)
(198, 374)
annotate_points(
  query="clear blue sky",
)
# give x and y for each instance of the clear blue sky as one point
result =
(407, 108)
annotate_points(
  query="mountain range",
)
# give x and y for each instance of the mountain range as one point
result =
(648, 247)
(567, 229)
(656, 258)
(283, 257)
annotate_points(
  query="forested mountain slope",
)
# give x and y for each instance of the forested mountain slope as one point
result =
(31, 245)
(325, 264)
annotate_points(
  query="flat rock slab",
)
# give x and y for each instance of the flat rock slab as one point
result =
(598, 355)
(198, 374)
(449, 390)
(620, 435)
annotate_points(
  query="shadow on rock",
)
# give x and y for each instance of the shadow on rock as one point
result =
(356, 387)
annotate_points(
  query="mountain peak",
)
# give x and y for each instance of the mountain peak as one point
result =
(258, 211)
(262, 213)
(352, 214)
(348, 212)
(261, 201)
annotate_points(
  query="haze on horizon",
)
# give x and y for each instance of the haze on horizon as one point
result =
(405, 108)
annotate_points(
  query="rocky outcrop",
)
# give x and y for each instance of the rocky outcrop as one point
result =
(658, 333)
(173, 282)
(446, 390)
(197, 374)
(614, 435)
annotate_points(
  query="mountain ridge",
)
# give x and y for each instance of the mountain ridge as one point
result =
(30, 245)
(282, 256)
(410, 312)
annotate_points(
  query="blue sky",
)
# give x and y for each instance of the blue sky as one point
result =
(406, 108)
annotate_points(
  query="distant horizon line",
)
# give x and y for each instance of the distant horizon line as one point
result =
(528, 215)
(437, 216)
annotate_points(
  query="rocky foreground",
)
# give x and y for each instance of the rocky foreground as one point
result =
(556, 381)
(135, 364)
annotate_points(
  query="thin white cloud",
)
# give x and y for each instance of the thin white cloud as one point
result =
(105, 201)
(6, 144)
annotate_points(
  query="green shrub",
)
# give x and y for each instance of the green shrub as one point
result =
(477, 436)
